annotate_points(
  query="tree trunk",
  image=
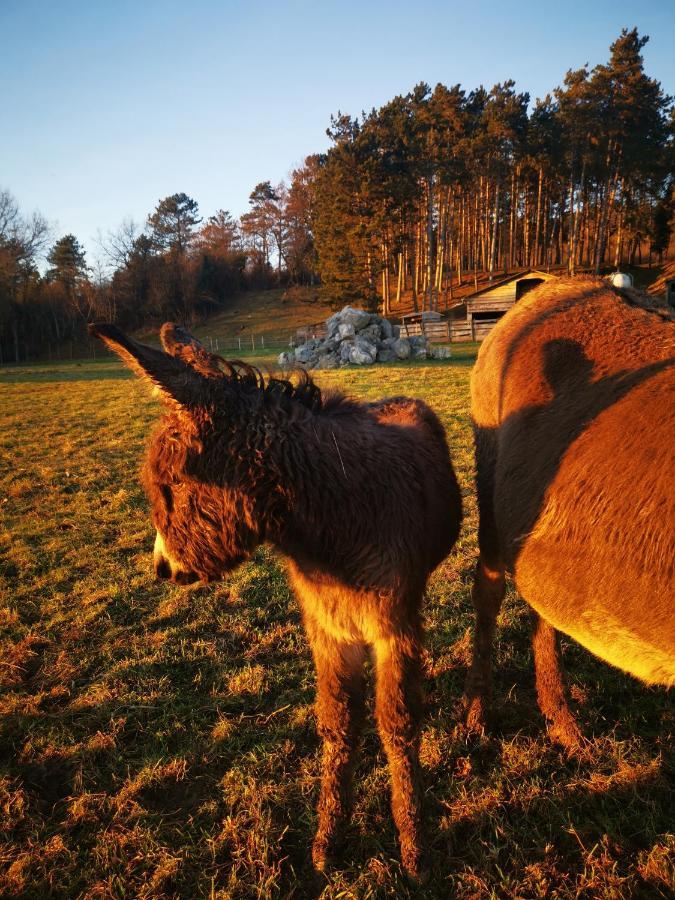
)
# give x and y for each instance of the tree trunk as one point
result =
(495, 225)
(537, 227)
(399, 282)
(430, 241)
(619, 231)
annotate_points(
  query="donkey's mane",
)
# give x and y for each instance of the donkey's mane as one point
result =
(641, 300)
(303, 390)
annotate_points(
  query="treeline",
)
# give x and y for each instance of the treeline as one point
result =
(410, 200)
(178, 266)
(438, 184)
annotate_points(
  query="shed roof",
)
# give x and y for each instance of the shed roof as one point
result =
(546, 276)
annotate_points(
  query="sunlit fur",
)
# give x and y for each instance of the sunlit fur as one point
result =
(362, 500)
(572, 400)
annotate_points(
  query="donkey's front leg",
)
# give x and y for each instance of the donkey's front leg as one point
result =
(398, 706)
(339, 709)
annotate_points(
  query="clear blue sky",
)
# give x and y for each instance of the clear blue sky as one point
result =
(108, 105)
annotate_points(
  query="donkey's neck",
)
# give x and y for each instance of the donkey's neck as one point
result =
(309, 464)
(293, 464)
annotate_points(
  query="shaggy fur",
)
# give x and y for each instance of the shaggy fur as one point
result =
(572, 401)
(363, 501)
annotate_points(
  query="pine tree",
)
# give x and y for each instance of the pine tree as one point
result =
(172, 224)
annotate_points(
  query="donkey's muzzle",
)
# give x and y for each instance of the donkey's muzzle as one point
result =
(164, 571)
(169, 569)
(185, 578)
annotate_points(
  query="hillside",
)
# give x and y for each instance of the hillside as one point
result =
(262, 319)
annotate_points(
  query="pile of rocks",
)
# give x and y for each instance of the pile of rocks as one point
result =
(360, 338)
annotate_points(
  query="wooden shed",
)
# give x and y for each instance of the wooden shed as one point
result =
(485, 307)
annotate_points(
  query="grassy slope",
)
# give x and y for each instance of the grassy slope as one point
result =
(157, 742)
(266, 313)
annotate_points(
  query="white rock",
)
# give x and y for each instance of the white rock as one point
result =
(402, 348)
(286, 359)
(327, 361)
(359, 356)
(440, 353)
(372, 332)
(306, 354)
(386, 354)
(387, 329)
(359, 318)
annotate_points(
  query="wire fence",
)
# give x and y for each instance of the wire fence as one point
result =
(250, 347)
(252, 343)
(92, 349)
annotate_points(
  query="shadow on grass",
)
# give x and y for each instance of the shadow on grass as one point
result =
(181, 755)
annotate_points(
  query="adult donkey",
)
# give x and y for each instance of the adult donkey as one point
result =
(363, 501)
(572, 401)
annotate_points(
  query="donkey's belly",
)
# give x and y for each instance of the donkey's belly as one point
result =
(608, 638)
(347, 615)
(603, 606)
(595, 558)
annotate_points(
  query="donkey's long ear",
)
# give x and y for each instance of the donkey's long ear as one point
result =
(175, 380)
(180, 343)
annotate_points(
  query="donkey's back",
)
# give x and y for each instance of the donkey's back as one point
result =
(429, 457)
(572, 400)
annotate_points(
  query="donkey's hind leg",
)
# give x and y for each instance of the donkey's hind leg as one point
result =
(487, 593)
(489, 585)
(398, 707)
(551, 693)
(340, 706)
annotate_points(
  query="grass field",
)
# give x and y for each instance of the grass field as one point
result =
(160, 742)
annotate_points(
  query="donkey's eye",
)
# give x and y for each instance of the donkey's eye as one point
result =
(168, 497)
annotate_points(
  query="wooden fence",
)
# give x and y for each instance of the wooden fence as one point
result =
(437, 332)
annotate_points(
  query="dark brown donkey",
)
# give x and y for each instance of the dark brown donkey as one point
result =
(573, 398)
(363, 501)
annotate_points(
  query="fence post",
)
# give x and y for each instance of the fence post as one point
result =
(252, 343)
(239, 339)
(262, 340)
(216, 345)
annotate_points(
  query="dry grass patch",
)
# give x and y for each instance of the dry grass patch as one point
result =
(156, 742)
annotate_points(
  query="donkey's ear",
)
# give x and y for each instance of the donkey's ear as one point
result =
(179, 343)
(175, 381)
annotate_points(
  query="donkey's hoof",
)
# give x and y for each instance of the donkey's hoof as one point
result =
(476, 717)
(415, 864)
(565, 731)
(325, 852)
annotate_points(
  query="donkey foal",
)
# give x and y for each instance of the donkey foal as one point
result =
(363, 501)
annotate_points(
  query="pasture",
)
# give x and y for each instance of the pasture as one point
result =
(157, 741)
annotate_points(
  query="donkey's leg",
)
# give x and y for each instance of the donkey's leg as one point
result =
(487, 593)
(398, 708)
(340, 706)
(551, 693)
(489, 583)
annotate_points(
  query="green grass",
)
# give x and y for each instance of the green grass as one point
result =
(273, 315)
(160, 742)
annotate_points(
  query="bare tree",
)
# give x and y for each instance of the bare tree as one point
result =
(118, 246)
